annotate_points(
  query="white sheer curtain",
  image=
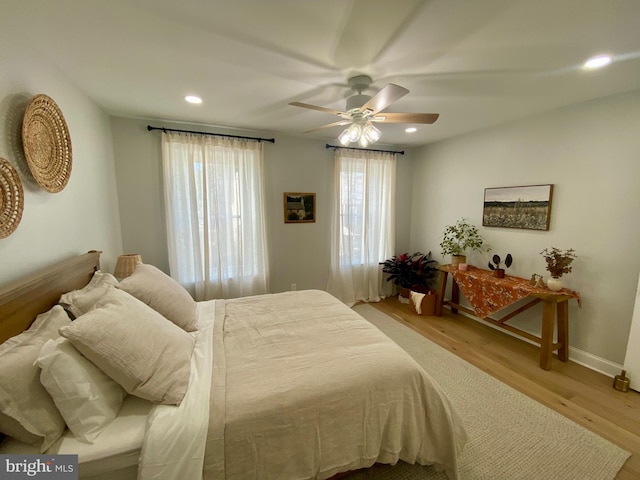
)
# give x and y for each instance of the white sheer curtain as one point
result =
(362, 223)
(214, 198)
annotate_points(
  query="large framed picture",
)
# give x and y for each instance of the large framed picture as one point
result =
(527, 207)
(299, 207)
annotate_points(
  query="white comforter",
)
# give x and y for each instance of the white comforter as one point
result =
(301, 387)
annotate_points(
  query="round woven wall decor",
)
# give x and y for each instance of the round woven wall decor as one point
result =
(47, 145)
(11, 199)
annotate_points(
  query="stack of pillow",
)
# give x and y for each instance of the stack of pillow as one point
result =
(130, 337)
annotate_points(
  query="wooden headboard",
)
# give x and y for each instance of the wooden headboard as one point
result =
(23, 300)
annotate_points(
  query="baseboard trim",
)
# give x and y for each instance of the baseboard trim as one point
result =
(576, 355)
(593, 362)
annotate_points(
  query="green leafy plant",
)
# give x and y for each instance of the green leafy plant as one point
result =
(497, 261)
(409, 271)
(558, 261)
(459, 238)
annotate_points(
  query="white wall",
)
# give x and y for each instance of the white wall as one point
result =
(139, 178)
(83, 216)
(298, 253)
(590, 153)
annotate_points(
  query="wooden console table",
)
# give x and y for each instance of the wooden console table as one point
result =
(488, 294)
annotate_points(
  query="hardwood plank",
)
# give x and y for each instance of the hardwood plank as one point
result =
(577, 392)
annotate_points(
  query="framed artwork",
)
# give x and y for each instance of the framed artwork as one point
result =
(527, 207)
(299, 207)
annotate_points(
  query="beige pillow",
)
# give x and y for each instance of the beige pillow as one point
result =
(28, 411)
(12, 428)
(87, 399)
(135, 346)
(162, 293)
(79, 302)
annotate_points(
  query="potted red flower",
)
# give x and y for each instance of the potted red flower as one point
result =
(410, 272)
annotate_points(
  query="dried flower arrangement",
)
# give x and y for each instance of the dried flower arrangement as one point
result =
(558, 261)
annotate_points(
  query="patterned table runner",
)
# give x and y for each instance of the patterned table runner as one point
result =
(488, 294)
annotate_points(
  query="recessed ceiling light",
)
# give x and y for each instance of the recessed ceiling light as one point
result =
(411, 129)
(598, 61)
(193, 99)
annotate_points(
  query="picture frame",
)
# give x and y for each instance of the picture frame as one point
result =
(526, 207)
(299, 207)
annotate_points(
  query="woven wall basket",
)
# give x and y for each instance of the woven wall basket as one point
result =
(47, 145)
(11, 199)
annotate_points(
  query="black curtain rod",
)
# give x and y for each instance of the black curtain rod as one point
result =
(365, 149)
(272, 140)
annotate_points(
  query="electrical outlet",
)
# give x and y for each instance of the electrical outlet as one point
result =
(294, 286)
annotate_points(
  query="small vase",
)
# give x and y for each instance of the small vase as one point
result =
(498, 273)
(554, 284)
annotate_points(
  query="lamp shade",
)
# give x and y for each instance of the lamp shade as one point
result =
(361, 131)
(354, 132)
(126, 265)
(372, 133)
(344, 137)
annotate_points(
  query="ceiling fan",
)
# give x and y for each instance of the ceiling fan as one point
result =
(364, 110)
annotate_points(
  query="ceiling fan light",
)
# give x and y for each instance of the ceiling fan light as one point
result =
(372, 133)
(344, 137)
(355, 130)
(363, 141)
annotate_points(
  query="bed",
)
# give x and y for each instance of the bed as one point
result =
(290, 385)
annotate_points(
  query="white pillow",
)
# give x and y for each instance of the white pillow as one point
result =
(87, 399)
(28, 411)
(135, 346)
(78, 302)
(152, 286)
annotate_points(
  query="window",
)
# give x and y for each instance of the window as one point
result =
(215, 215)
(363, 223)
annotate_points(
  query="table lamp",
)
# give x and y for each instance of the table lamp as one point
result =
(126, 265)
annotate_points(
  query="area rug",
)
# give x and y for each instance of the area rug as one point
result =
(511, 437)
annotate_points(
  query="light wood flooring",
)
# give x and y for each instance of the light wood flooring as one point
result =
(579, 393)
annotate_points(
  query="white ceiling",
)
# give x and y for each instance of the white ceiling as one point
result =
(477, 63)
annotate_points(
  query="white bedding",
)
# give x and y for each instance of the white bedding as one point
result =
(149, 441)
(311, 334)
(174, 443)
(116, 448)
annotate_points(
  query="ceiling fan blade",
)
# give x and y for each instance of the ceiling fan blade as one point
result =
(315, 107)
(334, 124)
(385, 97)
(360, 42)
(406, 117)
